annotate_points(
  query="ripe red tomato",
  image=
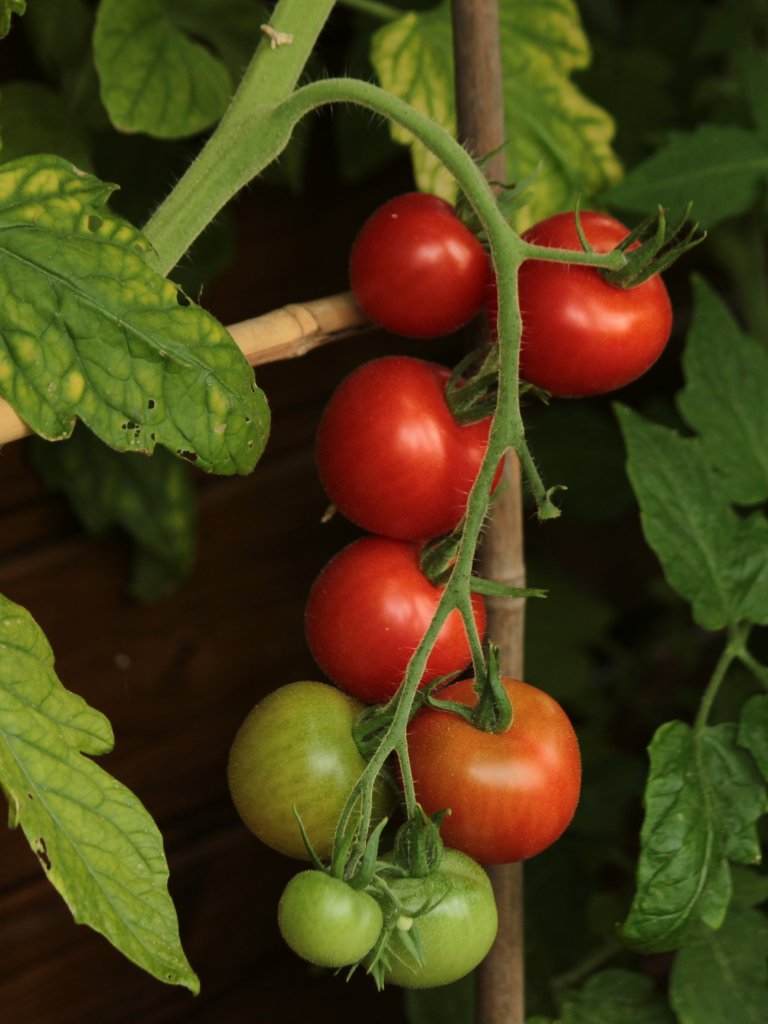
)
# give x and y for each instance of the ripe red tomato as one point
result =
(391, 456)
(511, 794)
(582, 335)
(416, 270)
(366, 613)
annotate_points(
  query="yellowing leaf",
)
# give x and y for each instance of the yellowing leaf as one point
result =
(553, 130)
(95, 841)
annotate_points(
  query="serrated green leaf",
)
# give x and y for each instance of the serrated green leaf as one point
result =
(720, 977)
(702, 801)
(155, 78)
(719, 168)
(753, 730)
(88, 329)
(687, 520)
(7, 8)
(557, 133)
(152, 499)
(35, 119)
(724, 398)
(97, 844)
(616, 997)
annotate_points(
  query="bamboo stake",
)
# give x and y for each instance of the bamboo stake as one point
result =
(480, 114)
(283, 333)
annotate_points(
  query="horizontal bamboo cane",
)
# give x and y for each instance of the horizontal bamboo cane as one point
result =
(283, 333)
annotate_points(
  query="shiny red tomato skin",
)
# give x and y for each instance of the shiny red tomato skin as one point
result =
(390, 454)
(368, 610)
(581, 335)
(416, 270)
(511, 794)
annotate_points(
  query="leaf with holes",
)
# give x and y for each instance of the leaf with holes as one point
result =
(155, 77)
(559, 135)
(96, 842)
(89, 330)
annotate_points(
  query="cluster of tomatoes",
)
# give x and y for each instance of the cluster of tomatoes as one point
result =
(395, 461)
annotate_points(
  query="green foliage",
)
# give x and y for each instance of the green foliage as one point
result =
(725, 398)
(7, 8)
(97, 844)
(616, 997)
(150, 498)
(713, 558)
(36, 119)
(155, 77)
(719, 168)
(559, 136)
(702, 801)
(90, 330)
(720, 977)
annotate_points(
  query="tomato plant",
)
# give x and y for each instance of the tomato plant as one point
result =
(391, 456)
(416, 270)
(581, 335)
(511, 794)
(368, 610)
(326, 921)
(295, 750)
(455, 933)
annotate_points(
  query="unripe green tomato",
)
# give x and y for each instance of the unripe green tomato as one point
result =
(295, 749)
(326, 921)
(456, 934)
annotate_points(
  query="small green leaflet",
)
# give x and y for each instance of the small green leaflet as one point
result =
(720, 168)
(702, 801)
(724, 399)
(96, 842)
(7, 8)
(155, 78)
(89, 330)
(710, 556)
(720, 977)
(152, 499)
(616, 997)
(557, 134)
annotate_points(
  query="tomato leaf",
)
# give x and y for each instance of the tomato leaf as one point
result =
(753, 731)
(35, 119)
(97, 844)
(152, 499)
(616, 997)
(90, 330)
(156, 77)
(557, 131)
(7, 8)
(61, 34)
(719, 168)
(702, 801)
(720, 977)
(709, 555)
(724, 396)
